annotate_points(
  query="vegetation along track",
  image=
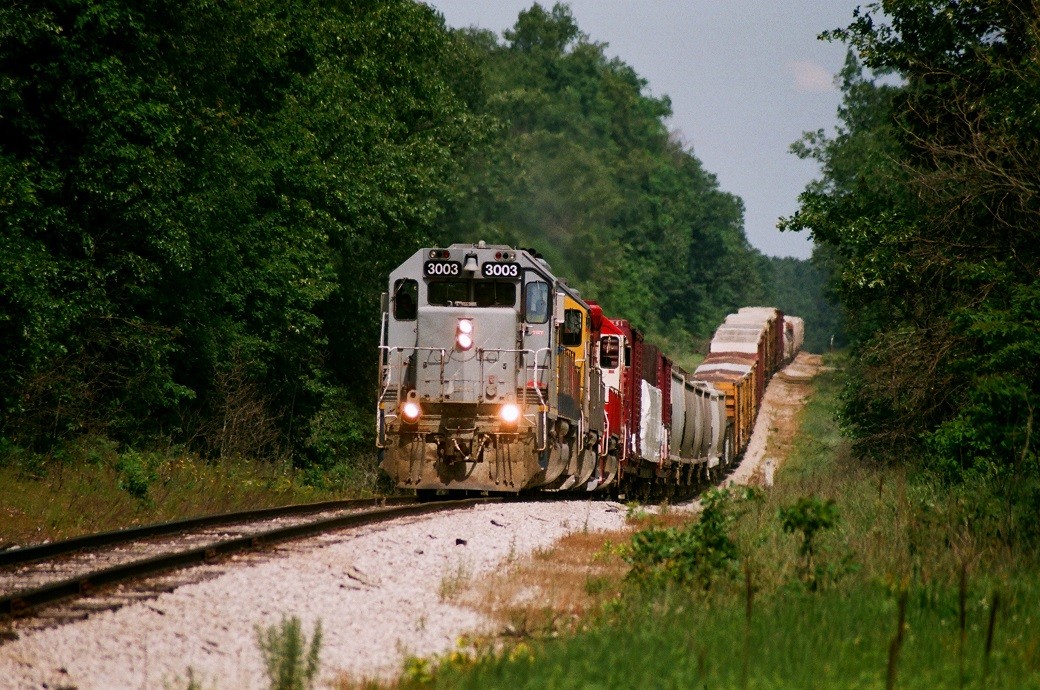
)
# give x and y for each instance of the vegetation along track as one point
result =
(34, 576)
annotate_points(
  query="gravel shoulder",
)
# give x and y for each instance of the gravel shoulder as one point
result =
(376, 591)
(777, 424)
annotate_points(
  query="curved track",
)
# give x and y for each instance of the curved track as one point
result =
(32, 577)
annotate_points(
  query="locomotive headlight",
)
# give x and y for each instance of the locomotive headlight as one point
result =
(411, 411)
(464, 334)
(509, 413)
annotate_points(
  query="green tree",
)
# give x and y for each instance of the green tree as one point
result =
(928, 202)
(199, 203)
(584, 170)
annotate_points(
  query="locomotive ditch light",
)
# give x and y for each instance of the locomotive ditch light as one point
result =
(464, 334)
(411, 411)
(509, 414)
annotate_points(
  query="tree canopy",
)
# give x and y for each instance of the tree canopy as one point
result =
(200, 202)
(584, 170)
(928, 210)
(197, 195)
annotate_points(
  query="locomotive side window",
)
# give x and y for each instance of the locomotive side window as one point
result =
(609, 352)
(536, 302)
(571, 334)
(406, 300)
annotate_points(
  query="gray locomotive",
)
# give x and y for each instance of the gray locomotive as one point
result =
(485, 383)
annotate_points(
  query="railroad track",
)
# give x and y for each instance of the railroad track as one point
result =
(91, 567)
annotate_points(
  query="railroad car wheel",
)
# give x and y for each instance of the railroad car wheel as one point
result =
(561, 448)
(589, 461)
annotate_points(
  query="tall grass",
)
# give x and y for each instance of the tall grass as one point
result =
(902, 593)
(92, 487)
(291, 661)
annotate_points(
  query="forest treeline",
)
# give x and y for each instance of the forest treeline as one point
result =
(927, 215)
(200, 202)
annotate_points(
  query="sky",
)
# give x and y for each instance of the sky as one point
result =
(745, 78)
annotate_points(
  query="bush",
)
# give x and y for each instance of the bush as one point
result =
(692, 555)
(809, 515)
(137, 472)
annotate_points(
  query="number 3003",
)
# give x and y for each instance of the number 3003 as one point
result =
(442, 268)
(500, 270)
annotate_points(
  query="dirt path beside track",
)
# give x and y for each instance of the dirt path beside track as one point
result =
(777, 426)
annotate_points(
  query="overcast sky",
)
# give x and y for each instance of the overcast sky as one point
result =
(745, 78)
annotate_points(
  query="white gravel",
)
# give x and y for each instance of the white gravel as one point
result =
(376, 592)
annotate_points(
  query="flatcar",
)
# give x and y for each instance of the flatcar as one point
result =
(496, 376)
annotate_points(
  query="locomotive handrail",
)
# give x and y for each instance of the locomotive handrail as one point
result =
(400, 349)
(534, 372)
(534, 363)
(384, 322)
(533, 367)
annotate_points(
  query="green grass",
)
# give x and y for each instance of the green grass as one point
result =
(91, 487)
(828, 639)
(832, 625)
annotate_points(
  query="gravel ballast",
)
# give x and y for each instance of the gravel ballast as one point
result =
(375, 590)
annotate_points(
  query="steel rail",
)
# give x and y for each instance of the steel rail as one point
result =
(20, 603)
(28, 554)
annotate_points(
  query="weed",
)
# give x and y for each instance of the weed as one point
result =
(137, 472)
(896, 646)
(290, 664)
(544, 553)
(417, 671)
(455, 581)
(694, 554)
(597, 584)
(194, 683)
(994, 607)
(809, 515)
(469, 653)
(511, 556)
(635, 512)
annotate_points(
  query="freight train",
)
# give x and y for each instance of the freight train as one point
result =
(496, 376)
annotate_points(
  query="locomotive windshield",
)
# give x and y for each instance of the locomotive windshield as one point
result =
(471, 293)
(536, 302)
(609, 352)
